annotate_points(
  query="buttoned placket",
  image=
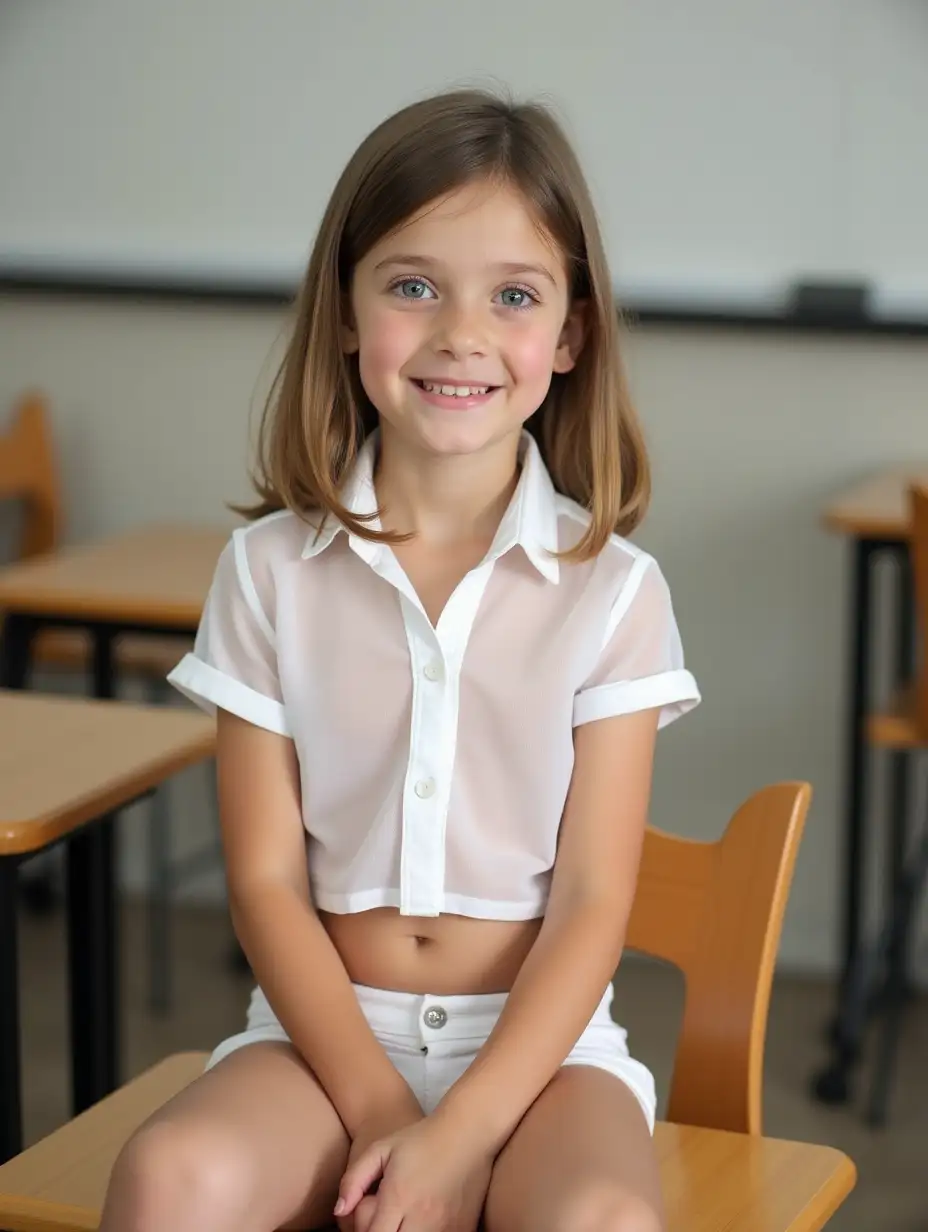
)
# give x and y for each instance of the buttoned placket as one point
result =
(436, 656)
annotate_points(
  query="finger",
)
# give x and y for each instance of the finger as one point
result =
(365, 1212)
(366, 1170)
(387, 1218)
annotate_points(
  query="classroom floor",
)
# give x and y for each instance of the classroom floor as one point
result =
(892, 1194)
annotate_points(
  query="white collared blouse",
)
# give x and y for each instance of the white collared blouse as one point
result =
(435, 761)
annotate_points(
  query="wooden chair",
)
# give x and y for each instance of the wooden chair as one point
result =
(715, 912)
(29, 474)
(902, 729)
(27, 471)
(713, 909)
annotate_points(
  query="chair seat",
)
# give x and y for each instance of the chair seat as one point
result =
(713, 1181)
(134, 654)
(897, 726)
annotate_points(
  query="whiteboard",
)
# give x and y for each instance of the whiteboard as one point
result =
(732, 146)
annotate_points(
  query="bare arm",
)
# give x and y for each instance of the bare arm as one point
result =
(293, 959)
(580, 943)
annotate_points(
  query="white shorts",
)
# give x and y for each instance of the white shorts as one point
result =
(432, 1040)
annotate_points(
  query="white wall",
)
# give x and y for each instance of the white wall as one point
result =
(733, 144)
(751, 435)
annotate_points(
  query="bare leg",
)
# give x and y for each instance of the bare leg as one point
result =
(252, 1146)
(582, 1160)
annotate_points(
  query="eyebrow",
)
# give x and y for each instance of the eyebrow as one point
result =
(511, 268)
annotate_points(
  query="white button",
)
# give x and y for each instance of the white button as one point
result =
(425, 788)
(432, 671)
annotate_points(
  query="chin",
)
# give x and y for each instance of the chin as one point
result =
(461, 439)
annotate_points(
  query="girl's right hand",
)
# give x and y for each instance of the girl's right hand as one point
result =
(382, 1122)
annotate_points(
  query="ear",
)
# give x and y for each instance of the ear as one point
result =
(348, 333)
(573, 334)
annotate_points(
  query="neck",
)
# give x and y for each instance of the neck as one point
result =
(445, 500)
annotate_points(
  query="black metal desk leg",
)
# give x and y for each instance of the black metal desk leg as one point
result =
(901, 915)
(93, 934)
(104, 677)
(861, 618)
(831, 1083)
(16, 634)
(10, 1099)
(93, 964)
(901, 765)
(902, 884)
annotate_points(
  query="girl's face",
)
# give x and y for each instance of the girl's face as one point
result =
(459, 319)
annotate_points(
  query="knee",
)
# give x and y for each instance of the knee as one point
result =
(610, 1209)
(178, 1177)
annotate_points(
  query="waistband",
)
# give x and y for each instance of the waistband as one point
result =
(425, 1015)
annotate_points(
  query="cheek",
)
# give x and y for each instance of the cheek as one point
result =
(388, 340)
(530, 353)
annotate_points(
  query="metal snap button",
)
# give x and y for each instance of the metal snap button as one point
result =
(435, 1017)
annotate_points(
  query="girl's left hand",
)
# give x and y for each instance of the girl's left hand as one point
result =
(430, 1181)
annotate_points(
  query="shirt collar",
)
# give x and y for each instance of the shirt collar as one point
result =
(530, 521)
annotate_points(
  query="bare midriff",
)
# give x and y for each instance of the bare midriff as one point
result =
(445, 955)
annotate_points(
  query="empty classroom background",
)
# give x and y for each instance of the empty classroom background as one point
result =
(732, 147)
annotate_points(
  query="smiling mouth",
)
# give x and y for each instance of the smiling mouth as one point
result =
(451, 390)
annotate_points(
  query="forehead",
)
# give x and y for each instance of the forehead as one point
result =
(479, 224)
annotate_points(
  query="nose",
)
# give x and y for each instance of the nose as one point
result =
(460, 331)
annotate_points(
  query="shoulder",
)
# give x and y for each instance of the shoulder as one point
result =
(619, 568)
(257, 552)
(637, 652)
(270, 543)
(278, 536)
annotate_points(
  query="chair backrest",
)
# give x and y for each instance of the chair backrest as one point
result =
(28, 473)
(918, 499)
(715, 911)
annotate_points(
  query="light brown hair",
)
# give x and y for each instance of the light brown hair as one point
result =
(318, 415)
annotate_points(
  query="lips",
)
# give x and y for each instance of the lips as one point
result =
(455, 395)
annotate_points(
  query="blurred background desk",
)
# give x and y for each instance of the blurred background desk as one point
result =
(874, 516)
(151, 581)
(66, 766)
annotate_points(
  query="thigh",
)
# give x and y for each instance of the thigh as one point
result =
(256, 1132)
(581, 1160)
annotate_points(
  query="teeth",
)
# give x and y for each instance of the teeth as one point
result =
(454, 391)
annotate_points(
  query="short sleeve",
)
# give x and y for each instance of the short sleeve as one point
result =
(233, 664)
(640, 666)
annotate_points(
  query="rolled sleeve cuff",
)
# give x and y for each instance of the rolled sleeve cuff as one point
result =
(674, 692)
(210, 689)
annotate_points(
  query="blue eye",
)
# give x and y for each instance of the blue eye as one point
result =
(517, 297)
(412, 288)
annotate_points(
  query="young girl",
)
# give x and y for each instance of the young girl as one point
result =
(438, 670)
